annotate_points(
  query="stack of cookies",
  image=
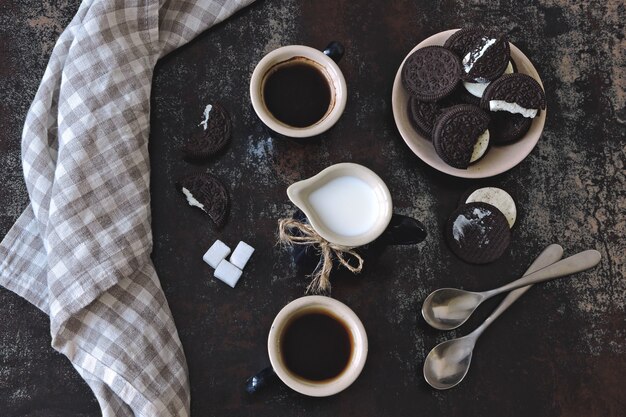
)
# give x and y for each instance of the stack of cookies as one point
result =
(467, 95)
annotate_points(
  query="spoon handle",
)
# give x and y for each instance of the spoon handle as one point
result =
(575, 263)
(550, 255)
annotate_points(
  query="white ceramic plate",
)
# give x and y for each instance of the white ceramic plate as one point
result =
(498, 158)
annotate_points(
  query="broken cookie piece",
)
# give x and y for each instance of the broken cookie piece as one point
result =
(211, 136)
(207, 193)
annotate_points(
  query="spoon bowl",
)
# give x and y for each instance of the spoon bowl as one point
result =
(448, 308)
(447, 364)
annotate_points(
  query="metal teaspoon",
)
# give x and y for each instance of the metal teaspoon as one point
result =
(448, 308)
(447, 363)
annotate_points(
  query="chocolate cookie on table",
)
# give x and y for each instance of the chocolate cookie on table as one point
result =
(206, 192)
(211, 136)
(460, 135)
(431, 73)
(515, 93)
(497, 197)
(478, 233)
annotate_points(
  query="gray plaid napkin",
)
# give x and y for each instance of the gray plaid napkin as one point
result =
(81, 250)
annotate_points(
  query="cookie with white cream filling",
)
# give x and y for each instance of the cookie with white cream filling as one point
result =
(515, 93)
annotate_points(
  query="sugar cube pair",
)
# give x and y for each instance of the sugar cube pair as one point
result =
(225, 271)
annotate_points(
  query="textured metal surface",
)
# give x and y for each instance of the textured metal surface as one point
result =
(561, 350)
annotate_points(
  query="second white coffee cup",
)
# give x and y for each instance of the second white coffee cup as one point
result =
(276, 344)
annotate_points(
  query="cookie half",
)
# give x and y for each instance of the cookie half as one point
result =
(515, 93)
(211, 136)
(478, 233)
(487, 60)
(206, 192)
(431, 73)
(498, 198)
(456, 134)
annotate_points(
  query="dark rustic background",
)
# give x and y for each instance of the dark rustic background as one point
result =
(560, 351)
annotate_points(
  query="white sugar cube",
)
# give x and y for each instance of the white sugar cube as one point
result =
(241, 254)
(227, 273)
(216, 253)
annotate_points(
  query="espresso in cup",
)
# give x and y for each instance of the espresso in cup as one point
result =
(298, 91)
(316, 345)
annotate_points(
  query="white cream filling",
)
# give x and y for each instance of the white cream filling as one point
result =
(470, 59)
(501, 105)
(205, 122)
(478, 89)
(191, 200)
(498, 198)
(481, 146)
(509, 68)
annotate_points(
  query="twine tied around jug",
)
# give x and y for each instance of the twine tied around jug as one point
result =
(294, 232)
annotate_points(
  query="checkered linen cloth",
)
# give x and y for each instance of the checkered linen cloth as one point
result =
(80, 252)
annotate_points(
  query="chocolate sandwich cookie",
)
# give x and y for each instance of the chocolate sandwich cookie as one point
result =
(484, 54)
(459, 135)
(478, 233)
(463, 41)
(211, 136)
(476, 90)
(505, 127)
(431, 73)
(487, 60)
(498, 198)
(515, 93)
(422, 115)
(206, 192)
(462, 96)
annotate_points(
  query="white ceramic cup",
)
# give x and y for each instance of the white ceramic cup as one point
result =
(324, 63)
(337, 310)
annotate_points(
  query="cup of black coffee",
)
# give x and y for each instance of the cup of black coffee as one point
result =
(298, 91)
(317, 346)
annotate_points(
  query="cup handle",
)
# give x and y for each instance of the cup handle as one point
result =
(262, 379)
(403, 230)
(334, 51)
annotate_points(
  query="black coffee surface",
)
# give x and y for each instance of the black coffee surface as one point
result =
(316, 346)
(297, 93)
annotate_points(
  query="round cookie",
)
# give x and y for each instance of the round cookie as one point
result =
(423, 115)
(456, 134)
(463, 41)
(487, 60)
(213, 135)
(207, 192)
(506, 127)
(498, 198)
(431, 73)
(478, 233)
(515, 93)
